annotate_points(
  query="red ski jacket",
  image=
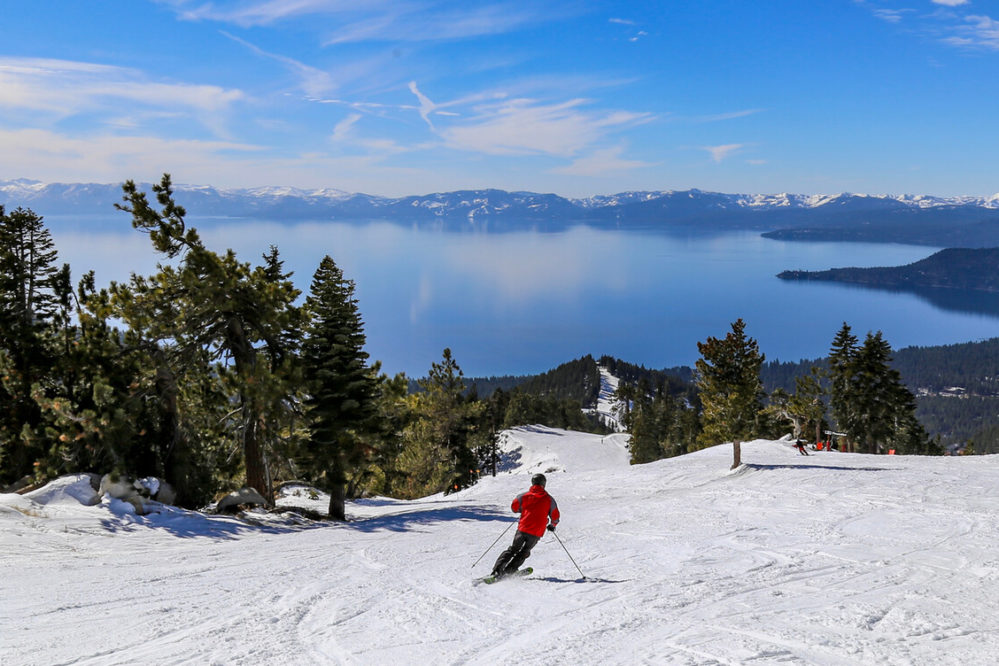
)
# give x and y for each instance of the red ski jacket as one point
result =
(535, 507)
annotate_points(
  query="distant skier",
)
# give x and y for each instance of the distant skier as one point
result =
(535, 507)
(800, 444)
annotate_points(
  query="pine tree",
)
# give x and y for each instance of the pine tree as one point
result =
(885, 408)
(29, 305)
(728, 377)
(437, 456)
(842, 355)
(646, 425)
(242, 316)
(342, 389)
(870, 402)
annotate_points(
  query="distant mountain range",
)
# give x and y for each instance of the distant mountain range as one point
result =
(927, 220)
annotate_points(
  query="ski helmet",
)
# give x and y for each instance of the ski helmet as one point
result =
(539, 480)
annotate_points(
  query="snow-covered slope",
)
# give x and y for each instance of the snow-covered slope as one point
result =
(829, 559)
(608, 406)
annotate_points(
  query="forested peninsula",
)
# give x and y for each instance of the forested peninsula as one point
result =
(953, 268)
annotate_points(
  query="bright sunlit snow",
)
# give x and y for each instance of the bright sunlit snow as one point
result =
(829, 559)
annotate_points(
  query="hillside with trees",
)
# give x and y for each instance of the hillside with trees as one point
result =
(954, 268)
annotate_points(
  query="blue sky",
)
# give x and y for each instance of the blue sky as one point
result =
(573, 97)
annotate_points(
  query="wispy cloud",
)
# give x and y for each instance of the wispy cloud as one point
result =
(314, 82)
(600, 163)
(951, 23)
(891, 15)
(526, 127)
(376, 20)
(731, 115)
(418, 22)
(636, 34)
(56, 157)
(248, 14)
(344, 129)
(976, 32)
(52, 156)
(719, 153)
(64, 88)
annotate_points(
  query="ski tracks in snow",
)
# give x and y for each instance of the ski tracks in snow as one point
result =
(832, 560)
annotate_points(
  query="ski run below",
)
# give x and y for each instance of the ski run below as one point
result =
(831, 559)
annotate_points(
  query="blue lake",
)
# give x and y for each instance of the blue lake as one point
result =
(524, 302)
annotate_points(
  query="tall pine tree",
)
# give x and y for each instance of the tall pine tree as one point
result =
(842, 356)
(728, 377)
(870, 403)
(29, 305)
(342, 389)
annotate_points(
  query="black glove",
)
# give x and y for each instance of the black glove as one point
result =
(551, 528)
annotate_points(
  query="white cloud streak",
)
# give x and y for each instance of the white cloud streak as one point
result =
(50, 156)
(374, 20)
(601, 163)
(314, 82)
(417, 22)
(731, 115)
(719, 153)
(249, 14)
(344, 128)
(64, 88)
(526, 127)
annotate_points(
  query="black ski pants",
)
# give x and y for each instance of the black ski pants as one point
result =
(511, 558)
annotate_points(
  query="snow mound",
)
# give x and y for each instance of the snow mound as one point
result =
(73, 490)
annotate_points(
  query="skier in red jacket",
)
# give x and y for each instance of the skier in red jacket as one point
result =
(535, 507)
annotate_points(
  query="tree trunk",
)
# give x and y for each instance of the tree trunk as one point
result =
(338, 501)
(253, 453)
(736, 453)
(245, 357)
(338, 491)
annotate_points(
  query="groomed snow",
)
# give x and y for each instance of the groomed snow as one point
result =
(829, 559)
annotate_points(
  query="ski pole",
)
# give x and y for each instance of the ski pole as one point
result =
(493, 544)
(567, 553)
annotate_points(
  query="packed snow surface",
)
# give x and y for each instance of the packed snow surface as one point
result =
(829, 559)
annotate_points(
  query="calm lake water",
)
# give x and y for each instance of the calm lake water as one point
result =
(525, 302)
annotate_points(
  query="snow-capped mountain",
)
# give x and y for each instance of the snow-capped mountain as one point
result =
(900, 218)
(97, 198)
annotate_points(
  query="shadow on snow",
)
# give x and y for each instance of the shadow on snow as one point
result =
(587, 579)
(838, 468)
(410, 520)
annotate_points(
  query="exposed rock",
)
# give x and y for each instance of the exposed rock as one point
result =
(242, 497)
(140, 494)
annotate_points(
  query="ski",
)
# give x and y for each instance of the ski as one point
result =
(519, 573)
